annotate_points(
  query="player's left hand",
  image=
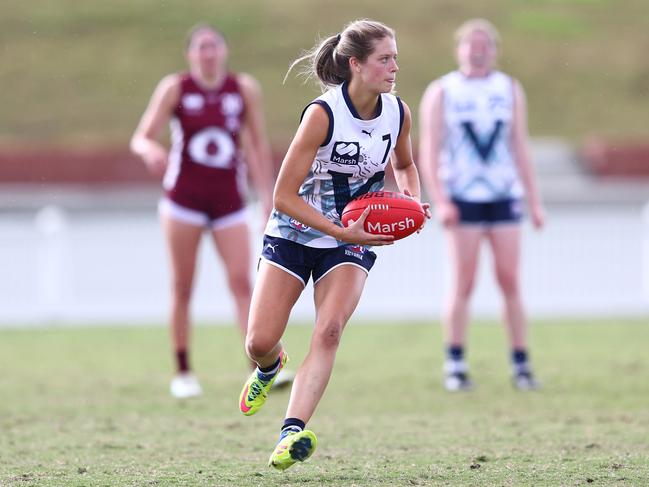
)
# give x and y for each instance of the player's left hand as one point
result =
(538, 215)
(424, 206)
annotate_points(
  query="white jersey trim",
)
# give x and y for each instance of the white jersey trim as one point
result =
(175, 155)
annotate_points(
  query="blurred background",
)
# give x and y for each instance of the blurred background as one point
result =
(79, 236)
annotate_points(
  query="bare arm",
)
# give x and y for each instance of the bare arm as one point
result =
(255, 142)
(522, 156)
(297, 162)
(431, 128)
(145, 141)
(405, 171)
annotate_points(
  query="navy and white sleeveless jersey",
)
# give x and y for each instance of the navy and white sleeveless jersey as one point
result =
(349, 163)
(477, 161)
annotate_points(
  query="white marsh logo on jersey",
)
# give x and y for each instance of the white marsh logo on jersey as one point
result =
(345, 153)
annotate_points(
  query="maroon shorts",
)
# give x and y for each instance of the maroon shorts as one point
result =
(207, 196)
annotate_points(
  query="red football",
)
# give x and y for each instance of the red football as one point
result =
(391, 213)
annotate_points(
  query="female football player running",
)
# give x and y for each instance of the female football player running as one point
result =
(340, 151)
(475, 162)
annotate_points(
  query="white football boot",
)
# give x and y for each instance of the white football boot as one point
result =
(185, 385)
(456, 376)
(524, 380)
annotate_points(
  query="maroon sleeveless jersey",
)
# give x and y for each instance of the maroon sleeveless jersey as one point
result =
(205, 155)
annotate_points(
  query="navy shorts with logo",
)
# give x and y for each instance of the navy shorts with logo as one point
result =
(489, 213)
(303, 262)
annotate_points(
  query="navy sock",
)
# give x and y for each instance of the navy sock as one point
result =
(267, 373)
(270, 368)
(520, 360)
(291, 425)
(455, 352)
(519, 356)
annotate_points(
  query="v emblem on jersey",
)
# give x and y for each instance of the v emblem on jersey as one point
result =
(342, 191)
(484, 148)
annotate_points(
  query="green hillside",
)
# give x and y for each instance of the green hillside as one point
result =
(80, 73)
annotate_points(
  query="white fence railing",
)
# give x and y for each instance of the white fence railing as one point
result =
(88, 267)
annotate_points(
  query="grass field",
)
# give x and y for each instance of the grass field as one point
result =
(86, 407)
(80, 73)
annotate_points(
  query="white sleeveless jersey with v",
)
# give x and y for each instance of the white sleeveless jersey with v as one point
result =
(477, 162)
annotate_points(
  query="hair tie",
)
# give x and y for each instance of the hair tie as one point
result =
(337, 39)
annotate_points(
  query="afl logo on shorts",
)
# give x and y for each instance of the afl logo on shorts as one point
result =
(298, 225)
(345, 153)
(193, 102)
(212, 147)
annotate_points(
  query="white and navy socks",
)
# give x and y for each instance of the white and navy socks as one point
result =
(520, 361)
(290, 426)
(455, 363)
(266, 374)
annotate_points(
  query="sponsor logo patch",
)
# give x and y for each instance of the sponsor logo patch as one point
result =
(193, 102)
(346, 153)
(355, 251)
(231, 104)
(497, 101)
(380, 228)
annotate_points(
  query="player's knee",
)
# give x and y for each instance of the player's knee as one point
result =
(467, 290)
(257, 347)
(182, 293)
(508, 283)
(464, 289)
(239, 284)
(328, 334)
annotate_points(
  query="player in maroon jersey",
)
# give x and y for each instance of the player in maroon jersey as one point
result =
(216, 122)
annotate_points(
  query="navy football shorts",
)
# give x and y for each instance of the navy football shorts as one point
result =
(489, 213)
(303, 262)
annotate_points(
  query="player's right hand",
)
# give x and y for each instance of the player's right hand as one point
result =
(155, 159)
(355, 233)
(538, 215)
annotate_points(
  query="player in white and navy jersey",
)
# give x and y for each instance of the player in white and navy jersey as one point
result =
(351, 161)
(209, 110)
(475, 161)
(345, 140)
